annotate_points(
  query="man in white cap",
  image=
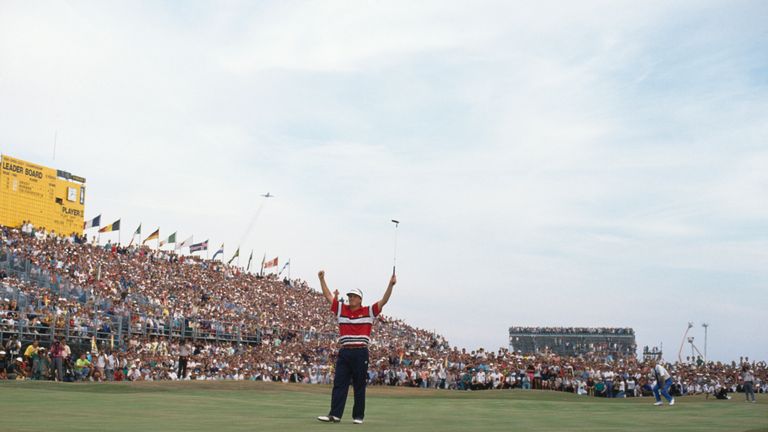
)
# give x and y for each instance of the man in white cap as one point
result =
(355, 324)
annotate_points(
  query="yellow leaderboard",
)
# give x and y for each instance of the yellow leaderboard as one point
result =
(49, 198)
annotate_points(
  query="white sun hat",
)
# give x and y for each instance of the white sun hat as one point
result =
(355, 291)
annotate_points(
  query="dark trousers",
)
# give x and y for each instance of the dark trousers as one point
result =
(182, 369)
(351, 366)
(36, 368)
(58, 368)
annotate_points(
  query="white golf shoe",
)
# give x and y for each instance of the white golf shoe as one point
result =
(357, 421)
(329, 419)
(659, 403)
(672, 402)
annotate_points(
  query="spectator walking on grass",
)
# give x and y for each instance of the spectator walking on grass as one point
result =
(748, 380)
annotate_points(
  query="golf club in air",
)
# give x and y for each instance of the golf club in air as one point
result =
(394, 260)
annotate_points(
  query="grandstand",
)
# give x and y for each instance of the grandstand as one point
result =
(136, 306)
(122, 298)
(141, 292)
(573, 341)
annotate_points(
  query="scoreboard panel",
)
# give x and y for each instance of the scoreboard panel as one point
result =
(49, 198)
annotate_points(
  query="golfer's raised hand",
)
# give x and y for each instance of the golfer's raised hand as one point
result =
(326, 292)
(392, 280)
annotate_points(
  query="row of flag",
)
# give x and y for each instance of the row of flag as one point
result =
(96, 223)
(193, 247)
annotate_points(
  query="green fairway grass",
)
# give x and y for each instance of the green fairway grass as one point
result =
(250, 406)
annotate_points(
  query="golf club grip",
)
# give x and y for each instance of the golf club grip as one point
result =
(393, 270)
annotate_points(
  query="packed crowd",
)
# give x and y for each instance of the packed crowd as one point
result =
(292, 359)
(162, 291)
(572, 330)
(149, 289)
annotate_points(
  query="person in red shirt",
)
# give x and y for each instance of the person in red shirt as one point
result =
(57, 354)
(355, 324)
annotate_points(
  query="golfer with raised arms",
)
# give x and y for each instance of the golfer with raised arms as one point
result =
(355, 323)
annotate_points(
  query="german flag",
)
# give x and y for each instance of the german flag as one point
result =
(115, 226)
(154, 236)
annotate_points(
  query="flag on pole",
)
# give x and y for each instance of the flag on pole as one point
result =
(95, 222)
(249, 261)
(114, 226)
(198, 247)
(237, 254)
(287, 263)
(271, 263)
(171, 239)
(185, 243)
(220, 251)
(154, 236)
(135, 233)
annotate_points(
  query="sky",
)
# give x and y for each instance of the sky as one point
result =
(552, 164)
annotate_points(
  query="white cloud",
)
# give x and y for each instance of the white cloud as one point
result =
(551, 163)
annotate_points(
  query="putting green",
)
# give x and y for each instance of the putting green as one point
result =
(250, 406)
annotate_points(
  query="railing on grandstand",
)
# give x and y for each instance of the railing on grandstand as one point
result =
(114, 330)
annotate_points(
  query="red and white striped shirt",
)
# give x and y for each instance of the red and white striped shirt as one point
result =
(355, 326)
